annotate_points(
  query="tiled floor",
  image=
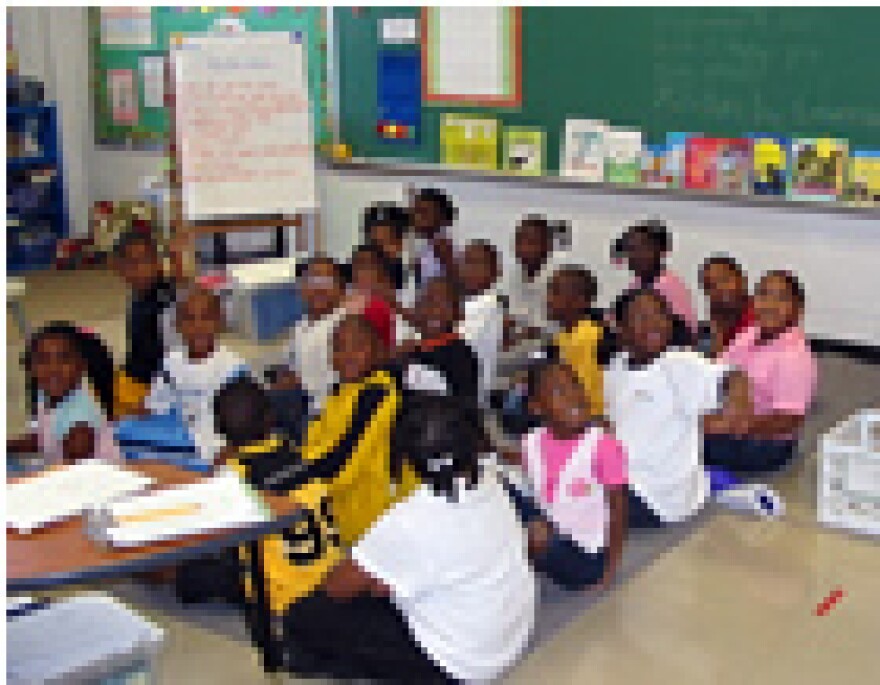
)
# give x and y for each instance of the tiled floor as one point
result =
(731, 603)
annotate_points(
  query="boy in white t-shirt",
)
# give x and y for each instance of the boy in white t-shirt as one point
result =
(656, 397)
(482, 323)
(192, 374)
(439, 589)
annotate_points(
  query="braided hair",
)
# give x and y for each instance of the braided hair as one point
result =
(100, 369)
(440, 438)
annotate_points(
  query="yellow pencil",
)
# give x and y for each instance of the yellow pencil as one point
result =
(159, 514)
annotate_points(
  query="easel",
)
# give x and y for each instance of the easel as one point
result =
(184, 231)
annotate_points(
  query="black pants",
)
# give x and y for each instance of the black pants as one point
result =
(365, 637)
(640, 514)
(747, 456)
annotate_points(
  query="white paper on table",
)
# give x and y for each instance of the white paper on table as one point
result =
(399, 30)
(469, 45)
(124, 26)
(220, 502)
(62, 493)
(153, 78)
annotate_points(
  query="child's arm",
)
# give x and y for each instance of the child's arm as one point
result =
(445, 252)
(23, 444)
(617, 528)
(79, 443)
(348, 580)
(736, 412)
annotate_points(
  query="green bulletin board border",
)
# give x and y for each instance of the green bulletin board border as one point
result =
(152, 129)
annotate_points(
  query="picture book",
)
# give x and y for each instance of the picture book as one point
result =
(733, 165)
(524, 150)
(469, 142)
(655, 173)
(717, 164)
(584, 149)
(676, 144)
(862, 183)
(623, 159)
(817, 168)
(699, 163)
(770, 164)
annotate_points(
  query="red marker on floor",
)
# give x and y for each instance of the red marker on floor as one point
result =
(829, 602)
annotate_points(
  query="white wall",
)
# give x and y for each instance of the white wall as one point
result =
(836, 255)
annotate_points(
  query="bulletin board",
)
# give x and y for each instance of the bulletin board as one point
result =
(803, 71)
(137, 122)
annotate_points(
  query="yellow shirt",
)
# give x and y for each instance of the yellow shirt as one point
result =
(579, 349)
(295, 562)
(350, 443)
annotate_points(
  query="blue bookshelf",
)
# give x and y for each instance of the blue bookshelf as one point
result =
(36, 210)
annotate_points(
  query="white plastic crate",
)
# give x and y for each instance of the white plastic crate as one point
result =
(90, 638)
(849, 474)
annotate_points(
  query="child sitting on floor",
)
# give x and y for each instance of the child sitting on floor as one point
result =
(148, 329)
(284, 568)
(191, 374)
(645, 246)
(539, 252)
(348, 444)
(439, 589)
(657, 396)
(583, 341)
(576, 518)
(776, 356)
(482, 324)
(385, 228)
(436, 316)
(730, 306)
(70, 381)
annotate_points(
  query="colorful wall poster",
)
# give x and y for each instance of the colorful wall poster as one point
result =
(126, 26)
(469, 142)
(770, 158)
(623, 160)
(122, 91)
(399, 98)
(524, 150)
(584, 149)
(817, 168)
(862, 186)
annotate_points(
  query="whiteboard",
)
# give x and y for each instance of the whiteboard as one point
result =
(243, 125)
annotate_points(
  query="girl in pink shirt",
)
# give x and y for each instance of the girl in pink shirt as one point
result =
(644, 246)
(576, 518)
(776, 357)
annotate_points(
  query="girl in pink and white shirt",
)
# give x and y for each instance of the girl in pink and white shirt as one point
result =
(576, 517)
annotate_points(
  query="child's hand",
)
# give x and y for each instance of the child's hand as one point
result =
(406, 348)
(355, 303)
(285, 379)
(224, 456)
(79, 443)
(540, 533)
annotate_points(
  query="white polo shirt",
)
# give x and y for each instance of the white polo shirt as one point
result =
(310, 354)
(459, 574)
(656, 411)
(527, 299)
(482, 327)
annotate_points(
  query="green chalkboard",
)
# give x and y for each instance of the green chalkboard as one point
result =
(721, 71)
(152, 127)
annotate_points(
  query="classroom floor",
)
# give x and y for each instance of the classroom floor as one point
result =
(729, 601)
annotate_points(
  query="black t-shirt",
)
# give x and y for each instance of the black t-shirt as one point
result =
(144, 331)
(457, 362)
